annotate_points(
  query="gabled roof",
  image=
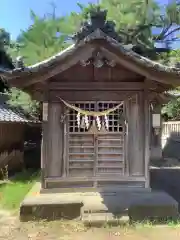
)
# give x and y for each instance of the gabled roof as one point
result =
(97, 34)
(100, 34)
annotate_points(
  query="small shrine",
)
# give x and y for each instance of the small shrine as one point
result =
(101, 104)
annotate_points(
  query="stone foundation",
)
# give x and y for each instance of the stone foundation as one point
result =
(137, 204)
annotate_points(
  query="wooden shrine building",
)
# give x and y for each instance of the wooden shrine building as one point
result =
(100, 106)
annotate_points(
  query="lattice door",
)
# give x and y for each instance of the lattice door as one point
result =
(110, 145)
(95, 153)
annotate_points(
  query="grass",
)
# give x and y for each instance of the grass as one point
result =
(14, 191)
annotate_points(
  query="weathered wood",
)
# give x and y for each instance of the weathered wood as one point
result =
(79, 86)
(135, 136)
(89, 95)
(103, 74)
(146, 137)
(112, 178)
(44, 139)
(138, 68)
(67, 63)
(55, 140)
(110, 159)
(44, 152)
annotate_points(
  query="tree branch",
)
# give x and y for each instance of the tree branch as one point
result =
(174, 30)
(163, 32)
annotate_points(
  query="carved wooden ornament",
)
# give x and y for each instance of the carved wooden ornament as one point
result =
(98, 60)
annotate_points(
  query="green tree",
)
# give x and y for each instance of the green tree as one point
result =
(4, 38)
(17, 98)
(134, 21)
(23, 101)
(42, 40)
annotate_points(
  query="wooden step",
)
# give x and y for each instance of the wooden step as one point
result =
(111, 178)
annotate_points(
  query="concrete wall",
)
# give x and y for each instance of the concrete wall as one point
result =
(170, 139)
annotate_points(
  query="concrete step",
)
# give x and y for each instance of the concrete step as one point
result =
(103, 209)
(103, 219)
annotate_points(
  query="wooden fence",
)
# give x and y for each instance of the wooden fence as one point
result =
(170, 129)
(10, 158)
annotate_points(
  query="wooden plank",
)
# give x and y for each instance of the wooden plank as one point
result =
(68, 62)
(80, 161)
(147, 138)
(90, 95)
(111, 178)
(95, 169)
(118, 165)
(82, 168)
(44, 152)
(135, 136)
(80, 158)
(96, 86)
(79, 154)
(55, 140)
(151, 74)
(73, 146)
(65, 146)
(142, 120)
(44, 140)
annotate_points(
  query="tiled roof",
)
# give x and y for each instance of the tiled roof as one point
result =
(10, 114)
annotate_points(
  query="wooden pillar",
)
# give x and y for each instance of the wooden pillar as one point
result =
(44, 153)
(55, 140)
(135, 136)
(156, 148)
(147, 132)
(44, 144)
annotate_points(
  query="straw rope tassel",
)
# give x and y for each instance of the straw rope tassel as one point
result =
(98, 121)
(106, 122)
(78, 119)
(86, 121)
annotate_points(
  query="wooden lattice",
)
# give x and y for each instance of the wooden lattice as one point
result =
(96, 153)
(113, 122)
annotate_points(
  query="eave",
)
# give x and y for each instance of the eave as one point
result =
(62, 61)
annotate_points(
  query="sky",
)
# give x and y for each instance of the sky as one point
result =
(15, 14)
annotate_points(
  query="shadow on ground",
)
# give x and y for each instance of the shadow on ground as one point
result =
(168, 180)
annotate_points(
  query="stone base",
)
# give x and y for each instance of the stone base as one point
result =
(137, 204)
(155, 206)
(52, 211)
(37, 206)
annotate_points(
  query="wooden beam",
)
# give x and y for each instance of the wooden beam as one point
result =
(142, 70)
(80, 86)
(64, 64)
(90, 95)
(111, 178)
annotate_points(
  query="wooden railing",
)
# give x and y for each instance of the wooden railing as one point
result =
(170, 129)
